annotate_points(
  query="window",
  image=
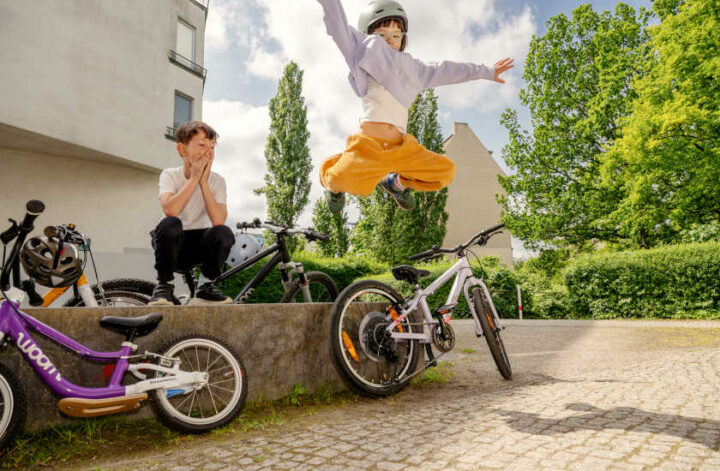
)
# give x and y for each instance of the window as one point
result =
(185, 41)
(183, 109)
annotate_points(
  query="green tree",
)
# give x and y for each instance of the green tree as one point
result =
(578, 86)
(667, 160)
(425, 226)
(335, 226)
(389, 233)
(287, 181)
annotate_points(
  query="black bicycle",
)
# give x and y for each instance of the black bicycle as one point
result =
(298, 286)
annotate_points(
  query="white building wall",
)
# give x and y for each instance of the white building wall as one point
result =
(88, 92)
(471, 203)
(96, 73)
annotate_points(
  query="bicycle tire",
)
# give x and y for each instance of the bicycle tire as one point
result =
(12, 406)
(322, 289)
(125, 285)
(113, 298)
(206, 351)
(362, 354)
(491, 333)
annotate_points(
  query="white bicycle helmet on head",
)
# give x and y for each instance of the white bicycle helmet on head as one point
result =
(382, 10)
(246, 246)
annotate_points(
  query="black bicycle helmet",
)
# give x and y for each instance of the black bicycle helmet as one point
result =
(48, 264)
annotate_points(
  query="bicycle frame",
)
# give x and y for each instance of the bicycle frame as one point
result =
(280, 259)
(83, 290)
(464, 280)
(15, 324)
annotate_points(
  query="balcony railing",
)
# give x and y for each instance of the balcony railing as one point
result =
(170, 133)
(202, 3)
(187, 64)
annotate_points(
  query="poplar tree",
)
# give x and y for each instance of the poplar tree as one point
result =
(287, 181)
(335, 226)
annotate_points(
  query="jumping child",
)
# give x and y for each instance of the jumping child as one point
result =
(388, 80)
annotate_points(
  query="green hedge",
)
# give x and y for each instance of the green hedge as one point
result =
(342, 270)
(672, 281)
(501, 282)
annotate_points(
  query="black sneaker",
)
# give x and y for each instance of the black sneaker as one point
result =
(209, 294)
(162, 295)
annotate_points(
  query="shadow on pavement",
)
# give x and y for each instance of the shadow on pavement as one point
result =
(702, 431)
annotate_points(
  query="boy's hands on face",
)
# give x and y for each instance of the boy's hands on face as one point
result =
(197, 168)
(502, 66)
(206, 171)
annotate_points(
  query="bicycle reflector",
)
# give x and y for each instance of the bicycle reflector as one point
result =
(349, 346)
(395, 316)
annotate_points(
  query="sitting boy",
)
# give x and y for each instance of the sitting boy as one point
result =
(193, 231)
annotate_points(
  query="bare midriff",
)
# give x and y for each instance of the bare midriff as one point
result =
(384, 131)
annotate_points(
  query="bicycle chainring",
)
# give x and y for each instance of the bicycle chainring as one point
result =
(443, 343)
(375, 340)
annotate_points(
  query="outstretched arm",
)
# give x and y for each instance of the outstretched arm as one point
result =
(344, 35)
(448, 72)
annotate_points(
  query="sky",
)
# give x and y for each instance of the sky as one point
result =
(249, 42)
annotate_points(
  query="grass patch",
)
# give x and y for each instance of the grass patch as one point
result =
(441, 373)
(468, 350)
(86, 440)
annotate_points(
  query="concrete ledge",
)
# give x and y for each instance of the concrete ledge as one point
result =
(280, 345)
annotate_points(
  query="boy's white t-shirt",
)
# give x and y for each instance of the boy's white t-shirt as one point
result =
(194, 215)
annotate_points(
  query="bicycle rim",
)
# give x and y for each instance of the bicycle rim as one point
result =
(223, 391)
(363, 347)
(7, 406)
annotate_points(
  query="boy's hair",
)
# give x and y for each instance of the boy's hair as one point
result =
(385, 22)
(186, 131)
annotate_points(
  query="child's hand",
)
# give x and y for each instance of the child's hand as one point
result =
(197, 169)
(206, 171)
(502, 66)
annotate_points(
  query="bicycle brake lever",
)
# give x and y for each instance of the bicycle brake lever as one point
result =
(10, 233)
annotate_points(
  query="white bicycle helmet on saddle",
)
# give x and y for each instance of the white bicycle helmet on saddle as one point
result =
(246, 246)
(49, 264)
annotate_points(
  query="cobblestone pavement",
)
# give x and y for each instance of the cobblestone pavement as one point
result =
(585, 396)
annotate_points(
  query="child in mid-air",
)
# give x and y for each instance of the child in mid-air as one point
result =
(388, 80)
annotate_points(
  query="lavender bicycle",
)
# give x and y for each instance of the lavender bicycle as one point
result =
(197, 384)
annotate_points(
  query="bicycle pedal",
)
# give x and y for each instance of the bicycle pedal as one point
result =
(431, 364)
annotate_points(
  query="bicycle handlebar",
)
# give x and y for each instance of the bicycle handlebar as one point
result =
(309, 232)
(480, 238)
(66, 233)
(33, 209)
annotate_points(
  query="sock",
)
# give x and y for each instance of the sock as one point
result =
(395, 182)
(203, 279)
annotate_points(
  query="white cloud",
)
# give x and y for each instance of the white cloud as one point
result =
(240, 153)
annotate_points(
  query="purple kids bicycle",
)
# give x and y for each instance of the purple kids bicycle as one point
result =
(197, 384)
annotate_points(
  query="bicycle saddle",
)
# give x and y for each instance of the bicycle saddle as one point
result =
(132, 327)
(409, 274)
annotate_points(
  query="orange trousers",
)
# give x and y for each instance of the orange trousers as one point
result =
(367, 160)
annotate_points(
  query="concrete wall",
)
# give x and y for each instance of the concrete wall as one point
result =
(95, 73)
(280, 345)
(115, 205)
(471, 203)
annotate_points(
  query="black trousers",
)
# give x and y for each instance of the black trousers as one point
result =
(178, 250)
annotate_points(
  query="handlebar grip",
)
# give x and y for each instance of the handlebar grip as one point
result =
(493, 229)
(322, 237)
(420, 255)
(255, 223)
(34, 209)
